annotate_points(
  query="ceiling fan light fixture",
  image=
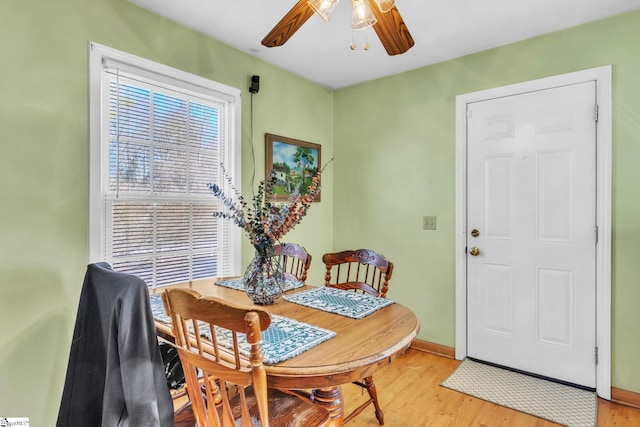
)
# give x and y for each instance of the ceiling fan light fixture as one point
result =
(389, 27)
(385, 5)
(323, 8)
(361, 15)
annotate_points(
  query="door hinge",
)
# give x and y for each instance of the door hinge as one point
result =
(469, 114)
(596, 355)
(597, 234)
(595, 113)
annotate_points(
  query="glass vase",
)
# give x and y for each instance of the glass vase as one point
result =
(264, 278)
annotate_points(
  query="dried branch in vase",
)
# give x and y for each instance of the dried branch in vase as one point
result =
(266, 221)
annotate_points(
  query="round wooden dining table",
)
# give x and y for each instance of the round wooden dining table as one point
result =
(359, 348)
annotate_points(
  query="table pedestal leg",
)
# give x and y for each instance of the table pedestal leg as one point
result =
(331, 399)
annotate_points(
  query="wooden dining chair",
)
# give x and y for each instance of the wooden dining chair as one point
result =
(363, 271)
(295, 260)
(227, 387)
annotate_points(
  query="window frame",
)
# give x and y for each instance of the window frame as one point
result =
(101, 56)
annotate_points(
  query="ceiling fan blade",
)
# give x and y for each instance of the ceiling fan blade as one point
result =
(288, 25)
(391, 30)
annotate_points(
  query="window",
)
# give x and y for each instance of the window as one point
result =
(157, 139)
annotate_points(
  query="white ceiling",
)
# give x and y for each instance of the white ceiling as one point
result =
(442, 30)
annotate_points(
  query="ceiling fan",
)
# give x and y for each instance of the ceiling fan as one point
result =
(386, 21)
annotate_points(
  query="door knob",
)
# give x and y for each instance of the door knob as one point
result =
(474, 251)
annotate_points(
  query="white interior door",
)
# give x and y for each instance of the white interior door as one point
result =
(531, 196)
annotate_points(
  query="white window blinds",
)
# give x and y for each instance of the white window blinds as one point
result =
(162, 144)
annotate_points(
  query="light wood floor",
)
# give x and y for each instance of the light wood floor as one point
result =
(410, 394)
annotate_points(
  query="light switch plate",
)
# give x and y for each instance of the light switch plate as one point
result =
(429, 222)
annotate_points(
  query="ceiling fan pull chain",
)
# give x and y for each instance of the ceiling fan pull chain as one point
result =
(365, 46)
(366, 39)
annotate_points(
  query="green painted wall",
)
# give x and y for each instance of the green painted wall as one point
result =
(395, 147)
(44, 166)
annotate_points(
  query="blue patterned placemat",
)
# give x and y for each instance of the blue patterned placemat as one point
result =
(157, 308)
(283, 339)
(333, 300)
(237, 284)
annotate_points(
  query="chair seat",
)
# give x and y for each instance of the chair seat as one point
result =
(285, 410)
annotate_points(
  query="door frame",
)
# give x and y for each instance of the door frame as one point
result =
(602, 77)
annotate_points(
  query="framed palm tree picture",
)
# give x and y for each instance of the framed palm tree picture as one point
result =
(293, 162)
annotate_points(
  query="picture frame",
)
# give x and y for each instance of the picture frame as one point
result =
(295, 163)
